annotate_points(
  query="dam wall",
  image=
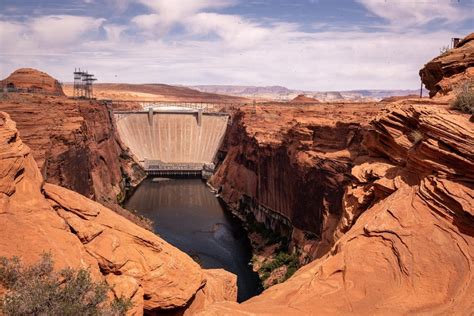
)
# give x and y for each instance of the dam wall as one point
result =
(172, 138)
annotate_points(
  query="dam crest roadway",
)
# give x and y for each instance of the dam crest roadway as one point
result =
(174, 138)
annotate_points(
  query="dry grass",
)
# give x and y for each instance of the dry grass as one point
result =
(464, 100)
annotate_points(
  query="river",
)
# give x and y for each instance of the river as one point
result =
(188, 215)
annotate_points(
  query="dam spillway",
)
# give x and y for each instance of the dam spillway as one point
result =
(172, 142)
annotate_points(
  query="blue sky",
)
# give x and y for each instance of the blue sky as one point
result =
(306, 44)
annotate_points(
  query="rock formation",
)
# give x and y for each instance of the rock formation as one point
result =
(405, 230)
(41, 217)
(444, 73)
(74, 143)
(32, 80)
(289, 167)
(301, 98)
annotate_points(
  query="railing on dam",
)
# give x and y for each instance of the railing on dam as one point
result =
(156, 167)
(157, 105)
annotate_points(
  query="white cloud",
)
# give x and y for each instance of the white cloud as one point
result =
(410, 13)
(167, 13)
(57, 30)
(216, 48)
(114, 31)
(233, 29)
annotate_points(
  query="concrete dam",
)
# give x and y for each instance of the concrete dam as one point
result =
(173, 142)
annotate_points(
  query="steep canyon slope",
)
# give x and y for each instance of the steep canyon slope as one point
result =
(392, 200)
(41, 217)
(442, 75)
(74, 142)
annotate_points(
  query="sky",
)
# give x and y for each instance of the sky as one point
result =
(317, 45)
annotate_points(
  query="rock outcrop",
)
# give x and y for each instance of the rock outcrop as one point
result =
(301, 98)
(80, 233)
(405, 234)
(74, 144)
(289, 167)
(444, 73)
(32, 80)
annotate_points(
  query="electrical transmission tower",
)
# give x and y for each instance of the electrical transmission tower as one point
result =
(83, 84)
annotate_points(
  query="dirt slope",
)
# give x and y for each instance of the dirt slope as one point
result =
(154, 92)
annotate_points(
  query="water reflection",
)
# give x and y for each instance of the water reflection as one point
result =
(190, 217)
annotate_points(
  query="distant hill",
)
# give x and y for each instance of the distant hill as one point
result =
(154, 92)
(284, 94)
(31, 80)
(304, 99)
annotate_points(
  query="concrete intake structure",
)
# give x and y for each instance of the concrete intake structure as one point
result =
(172, 142)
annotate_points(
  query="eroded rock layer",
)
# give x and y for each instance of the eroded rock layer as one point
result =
(74, 143)
(289, 166)
(446, 72)
(405, 232)
(32, 80)
(40, 217)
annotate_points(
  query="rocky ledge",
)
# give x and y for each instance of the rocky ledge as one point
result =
(401, 238)
(442, 75)
(41, 217)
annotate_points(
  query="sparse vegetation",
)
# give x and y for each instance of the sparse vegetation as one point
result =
(416, 136)
(281, 259)
(39, 290)
(268, 235)
(443, 50)
(464, 100)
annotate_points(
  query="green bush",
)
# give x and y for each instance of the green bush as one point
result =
(39, 290)
(280, 260)
(464, 100)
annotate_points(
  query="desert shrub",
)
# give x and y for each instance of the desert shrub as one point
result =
(464, 100)
(39, 290)
(416, 136)
(281, 259)
(443, 50)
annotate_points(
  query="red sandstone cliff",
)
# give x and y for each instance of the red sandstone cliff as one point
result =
(74, 143)
(290, 166)
(445, 72)
(80, 233)
(404, 225)
(32, 80)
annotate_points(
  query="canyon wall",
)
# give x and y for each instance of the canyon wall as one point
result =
(289, 166)
(74, 143)
(404, 235)
(41, 217)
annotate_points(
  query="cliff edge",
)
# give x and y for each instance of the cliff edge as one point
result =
(40, 217)
(443, 74)
(403, 232)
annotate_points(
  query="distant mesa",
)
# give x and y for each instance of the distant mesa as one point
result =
(304, 99)
(396, 98)
(32, 81)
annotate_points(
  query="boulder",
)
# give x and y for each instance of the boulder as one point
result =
(442, 75)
